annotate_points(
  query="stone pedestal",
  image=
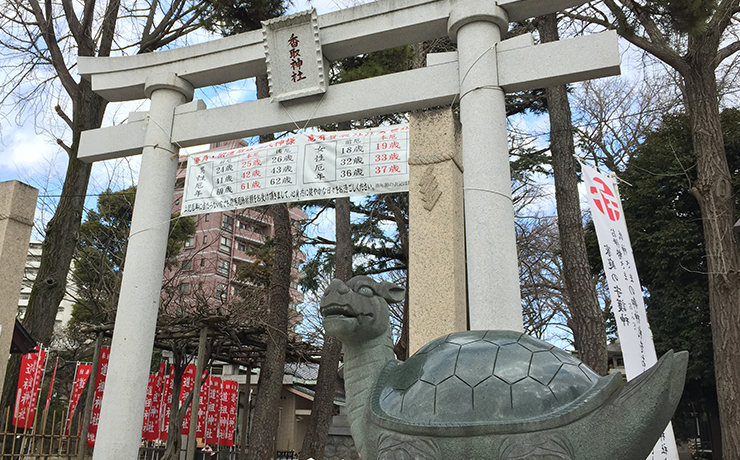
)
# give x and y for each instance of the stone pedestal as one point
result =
(17, 207)
(437, 287)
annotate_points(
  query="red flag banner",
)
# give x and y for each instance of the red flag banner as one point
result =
(150, 428)
(212, 411)
(81, 376)
(92, 430)
(188, 382)
(169, 384)
(29, 384)
(148, 425)
(203, 406)
(227, 420)
(51, 385)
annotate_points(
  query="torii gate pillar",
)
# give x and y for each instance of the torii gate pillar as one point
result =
(489, 215)
(138, 305)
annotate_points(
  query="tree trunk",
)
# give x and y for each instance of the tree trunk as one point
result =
(714, 192)
(586, 318)
(270, 383)
(61, 238)
(322, 410)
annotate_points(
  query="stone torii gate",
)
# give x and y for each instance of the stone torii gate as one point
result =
(484, 69)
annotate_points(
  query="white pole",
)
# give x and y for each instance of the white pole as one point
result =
(494, 300)
(122, 408)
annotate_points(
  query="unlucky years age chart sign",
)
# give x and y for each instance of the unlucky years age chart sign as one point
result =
(304, 167)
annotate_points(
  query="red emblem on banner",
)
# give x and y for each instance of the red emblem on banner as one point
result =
(606, 200)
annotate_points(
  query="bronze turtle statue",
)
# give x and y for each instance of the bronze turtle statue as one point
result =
(499, 395)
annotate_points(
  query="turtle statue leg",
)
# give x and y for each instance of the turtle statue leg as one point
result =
(392, 446)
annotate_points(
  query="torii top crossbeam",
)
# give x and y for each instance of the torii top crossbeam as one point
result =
(477, 75)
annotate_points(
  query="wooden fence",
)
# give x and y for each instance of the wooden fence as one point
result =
(45, 440)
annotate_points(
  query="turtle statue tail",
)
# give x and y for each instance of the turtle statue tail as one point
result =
(635, 417)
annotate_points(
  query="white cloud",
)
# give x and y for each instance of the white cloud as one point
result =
(23, 148)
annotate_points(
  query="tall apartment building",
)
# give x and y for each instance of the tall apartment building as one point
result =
(33, 260)
(222, 242)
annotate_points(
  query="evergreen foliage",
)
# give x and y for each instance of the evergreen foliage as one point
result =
(228, 17)
(687, 16)
(666, 231)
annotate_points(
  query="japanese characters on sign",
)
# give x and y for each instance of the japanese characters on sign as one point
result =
(300, 168)
(188, 383)
(295, 63)
(81, 375)
(625, 290)
(29, 387)
(227, 413)
(92, 431)
(169, 384)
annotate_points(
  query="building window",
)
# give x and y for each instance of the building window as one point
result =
(225, 244)
(190, 242)
(187, 264)
(202, 261)
(184, 288)
(223, 266)
(227, 222)
(205, 239)
(207, 217)
(177, 202)
(241, 246)
(221, 290)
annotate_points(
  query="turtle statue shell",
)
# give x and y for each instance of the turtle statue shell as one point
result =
(500, 377)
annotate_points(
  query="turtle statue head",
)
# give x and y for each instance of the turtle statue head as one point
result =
(357, 311)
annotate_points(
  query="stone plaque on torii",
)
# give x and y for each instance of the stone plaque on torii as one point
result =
(478, 74)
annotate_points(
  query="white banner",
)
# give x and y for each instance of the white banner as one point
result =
(305, 167)
(625, 290)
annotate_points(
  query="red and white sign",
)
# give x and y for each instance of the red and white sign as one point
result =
(81, 376)
(212, 410)
(92, 430)
(304, 167)
(227, 413)
(188, 383)
(29, 386)
(203, 406)
(169, 384)
(625, 290)
(151, 424)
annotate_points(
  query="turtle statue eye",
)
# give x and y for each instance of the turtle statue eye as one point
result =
(366, 291)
